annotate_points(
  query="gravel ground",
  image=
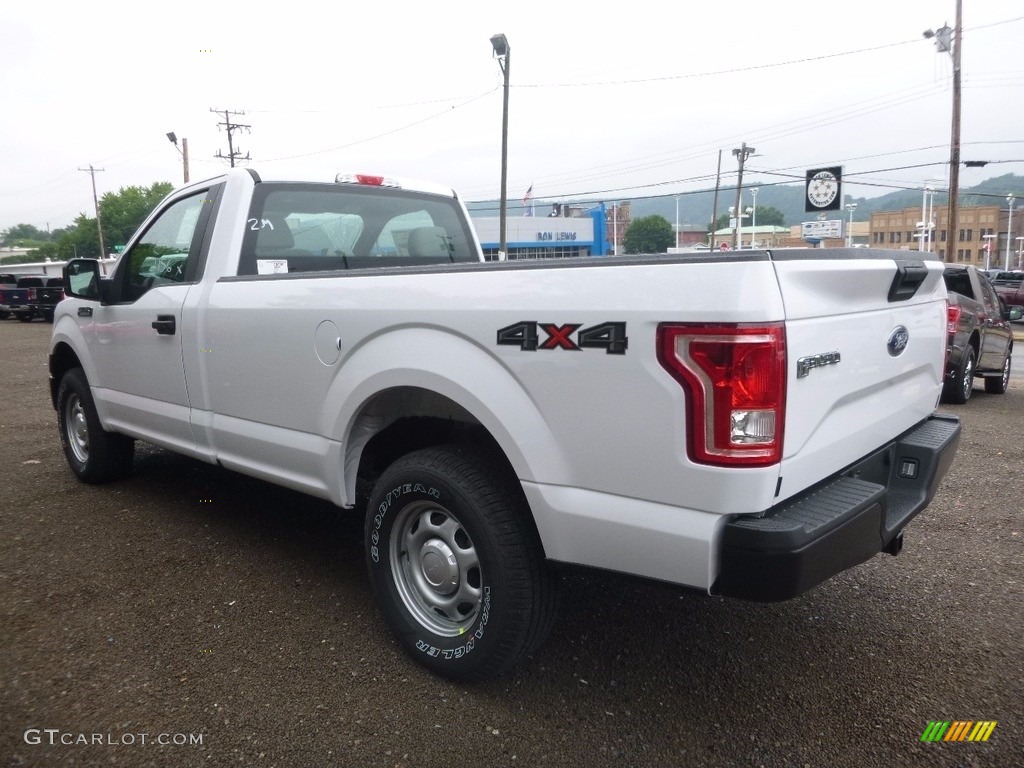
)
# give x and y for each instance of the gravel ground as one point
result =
(191, 603)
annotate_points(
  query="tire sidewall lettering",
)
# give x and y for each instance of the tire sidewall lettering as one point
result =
(450, 654)
(385, 506)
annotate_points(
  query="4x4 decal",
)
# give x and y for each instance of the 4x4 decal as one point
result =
(611, 337)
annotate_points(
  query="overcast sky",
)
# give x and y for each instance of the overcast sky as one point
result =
(608, 100)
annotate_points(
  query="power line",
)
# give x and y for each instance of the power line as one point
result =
(754, 67)
(385, 133)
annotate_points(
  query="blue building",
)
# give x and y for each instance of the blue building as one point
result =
(581, 233)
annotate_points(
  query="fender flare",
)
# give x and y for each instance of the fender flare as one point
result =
(480, 383)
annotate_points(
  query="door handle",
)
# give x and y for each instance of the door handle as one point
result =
(164, 325)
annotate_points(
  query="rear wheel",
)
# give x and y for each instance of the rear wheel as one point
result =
(958, 388)
(93, 454)
(25, 317)
(456, 563)
(996, 385)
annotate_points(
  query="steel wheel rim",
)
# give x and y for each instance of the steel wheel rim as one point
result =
(968, 382)
(1006, 372)
(436, 569)
(77, 428)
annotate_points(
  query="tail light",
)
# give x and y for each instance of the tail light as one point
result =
(952, 317)
(734, 377)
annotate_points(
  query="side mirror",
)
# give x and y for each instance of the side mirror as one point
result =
(82, 279)
(1015, 313)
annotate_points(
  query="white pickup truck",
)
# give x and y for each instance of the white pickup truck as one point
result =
(746, 424)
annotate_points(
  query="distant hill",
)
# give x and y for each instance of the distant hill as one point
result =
(695, 207)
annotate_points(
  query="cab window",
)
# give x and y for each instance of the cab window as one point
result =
(325, 227)
(163, 254)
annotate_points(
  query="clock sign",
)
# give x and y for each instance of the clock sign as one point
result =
(824, 189)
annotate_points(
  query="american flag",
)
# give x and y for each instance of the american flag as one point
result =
(526, 199)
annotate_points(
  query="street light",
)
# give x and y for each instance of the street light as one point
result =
(988, 247)
(753, 212)
(737, 217)
(851, 207)
(677, 221)
(929, 191)
(503, 54)
(171, 137)
(1009, 231)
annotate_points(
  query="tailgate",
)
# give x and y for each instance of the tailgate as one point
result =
(865, 341)
(49, 295)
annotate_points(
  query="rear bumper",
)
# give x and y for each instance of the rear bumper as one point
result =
(839, 523)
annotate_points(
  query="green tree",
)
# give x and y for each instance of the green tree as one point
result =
(80, 240)
(22, 232)
(770, 216)
(123, 211)
(649, 234)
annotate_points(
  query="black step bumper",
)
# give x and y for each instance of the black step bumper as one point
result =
(839, 523)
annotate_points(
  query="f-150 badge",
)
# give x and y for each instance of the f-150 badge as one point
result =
(806, 364)
(611, 337)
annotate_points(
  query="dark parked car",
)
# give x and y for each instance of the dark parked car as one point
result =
(1010, 287)
(980, 341)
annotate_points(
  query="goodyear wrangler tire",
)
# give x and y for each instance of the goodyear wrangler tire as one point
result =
(456, 563)
(94, 455)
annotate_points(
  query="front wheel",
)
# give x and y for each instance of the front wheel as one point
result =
(998, 385)
(456, 563)
(94, 455)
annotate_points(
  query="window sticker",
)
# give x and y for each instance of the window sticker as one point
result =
(271, 266)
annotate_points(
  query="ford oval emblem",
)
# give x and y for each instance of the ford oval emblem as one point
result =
(898, 340)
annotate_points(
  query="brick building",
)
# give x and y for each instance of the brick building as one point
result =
(977, 227)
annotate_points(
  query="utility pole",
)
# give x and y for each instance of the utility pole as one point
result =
(954, 141)
(96, 201)
(714, 204)
(742, 154)
(503, 53)
(231, 128)
(949, 41)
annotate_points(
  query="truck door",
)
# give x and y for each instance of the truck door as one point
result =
(995, 330)
(140, 383)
